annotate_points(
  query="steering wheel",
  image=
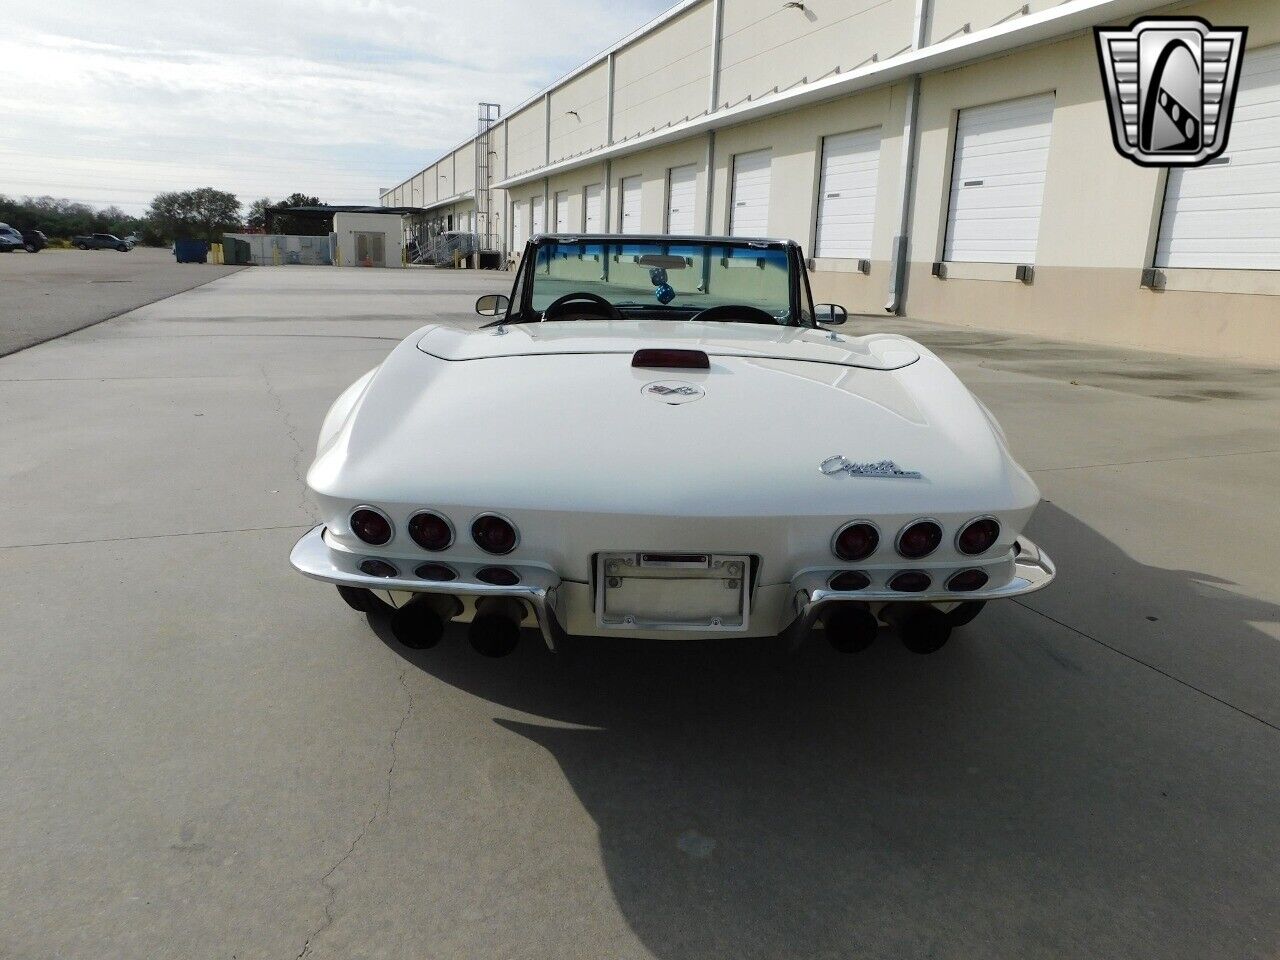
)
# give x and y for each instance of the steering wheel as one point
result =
(558, 306)
(732, 311)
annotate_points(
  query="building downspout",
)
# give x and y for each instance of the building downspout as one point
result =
(901, 254)
(605, 214)
(717, 30)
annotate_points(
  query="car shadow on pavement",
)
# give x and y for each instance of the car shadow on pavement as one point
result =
(1024, 792)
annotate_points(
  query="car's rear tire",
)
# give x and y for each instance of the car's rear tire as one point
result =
(31, 248)
(123, 248)
(362, 600)
(82, 246)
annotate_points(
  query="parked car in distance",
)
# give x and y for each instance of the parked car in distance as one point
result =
(10, 239)
(33, 241)
(101, 241)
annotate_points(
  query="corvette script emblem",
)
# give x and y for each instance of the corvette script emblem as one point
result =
(673, 392)
(884, 468)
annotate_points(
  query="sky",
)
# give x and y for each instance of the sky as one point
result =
(111, 103)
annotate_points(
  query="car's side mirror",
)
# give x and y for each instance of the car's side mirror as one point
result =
(830, 313)
(492, 305)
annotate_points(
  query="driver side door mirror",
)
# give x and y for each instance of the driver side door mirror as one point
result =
(831, 314)
(492, 305)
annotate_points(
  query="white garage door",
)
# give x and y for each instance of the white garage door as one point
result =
(592, 211)
(997, 181)
(847, 199)
(681, 190)
(629, 206)
(751, 176)
(539, 217)
(519, 220)
(562, 211)
(1226, 214)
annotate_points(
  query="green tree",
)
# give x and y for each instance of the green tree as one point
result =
(203, 214)
(258, 210)
(63, 219)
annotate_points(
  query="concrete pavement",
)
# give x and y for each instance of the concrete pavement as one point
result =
(206, 755)
(54, 292)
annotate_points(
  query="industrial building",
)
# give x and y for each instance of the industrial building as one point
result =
(951, 160)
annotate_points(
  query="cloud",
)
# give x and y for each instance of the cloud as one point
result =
(111, 103)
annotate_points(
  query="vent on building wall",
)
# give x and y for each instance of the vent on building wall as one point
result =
(1025, 272)
(939, 270)
(864, 266)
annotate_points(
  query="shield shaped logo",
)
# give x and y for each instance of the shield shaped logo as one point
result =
(1171, 86)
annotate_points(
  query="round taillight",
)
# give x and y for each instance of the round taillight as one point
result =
(855, 541)
(430, 531)
(439, 572)
(978, 536)
(919, 539)
(493, 534)
(910, 581)
(849, 580)
(967, 580)
(378, 568)
(371, 526)
(498, 576)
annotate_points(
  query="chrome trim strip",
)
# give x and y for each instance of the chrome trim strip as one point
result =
(1032, 570)
(315, 557)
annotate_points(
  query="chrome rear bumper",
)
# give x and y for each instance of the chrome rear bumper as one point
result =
(1032, 570)
(314, 557)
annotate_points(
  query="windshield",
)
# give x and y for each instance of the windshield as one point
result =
(657, 277)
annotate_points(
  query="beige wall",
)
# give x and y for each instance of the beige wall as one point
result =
(1098, 221)
(574, 183)
(346, 225)
(664, 76)
(464, 159)
(951, 17)
(652, 167)
(527, 138)
(795, 139)
(766, 44)
(588, 95)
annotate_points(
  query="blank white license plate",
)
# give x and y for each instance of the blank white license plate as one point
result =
(673, 591)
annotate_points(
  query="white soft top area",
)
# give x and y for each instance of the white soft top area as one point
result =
(871, 352)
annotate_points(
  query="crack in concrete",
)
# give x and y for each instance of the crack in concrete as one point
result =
(154, 536)
(300, 451)
(1145, 663)
(1131, 463)
(378, 810)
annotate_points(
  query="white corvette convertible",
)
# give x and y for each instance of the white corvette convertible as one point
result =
(663, 437)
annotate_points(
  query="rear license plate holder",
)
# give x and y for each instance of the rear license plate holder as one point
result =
(653, 590)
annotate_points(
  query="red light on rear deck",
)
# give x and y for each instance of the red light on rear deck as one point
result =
(672, 359)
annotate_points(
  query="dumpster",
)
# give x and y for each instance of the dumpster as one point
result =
(191, 251)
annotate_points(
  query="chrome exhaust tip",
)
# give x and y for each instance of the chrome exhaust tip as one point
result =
(495, 629)
(850, 627)
(922, 627)
(419, 624)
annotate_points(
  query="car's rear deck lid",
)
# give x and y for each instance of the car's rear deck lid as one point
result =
(872, 352)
